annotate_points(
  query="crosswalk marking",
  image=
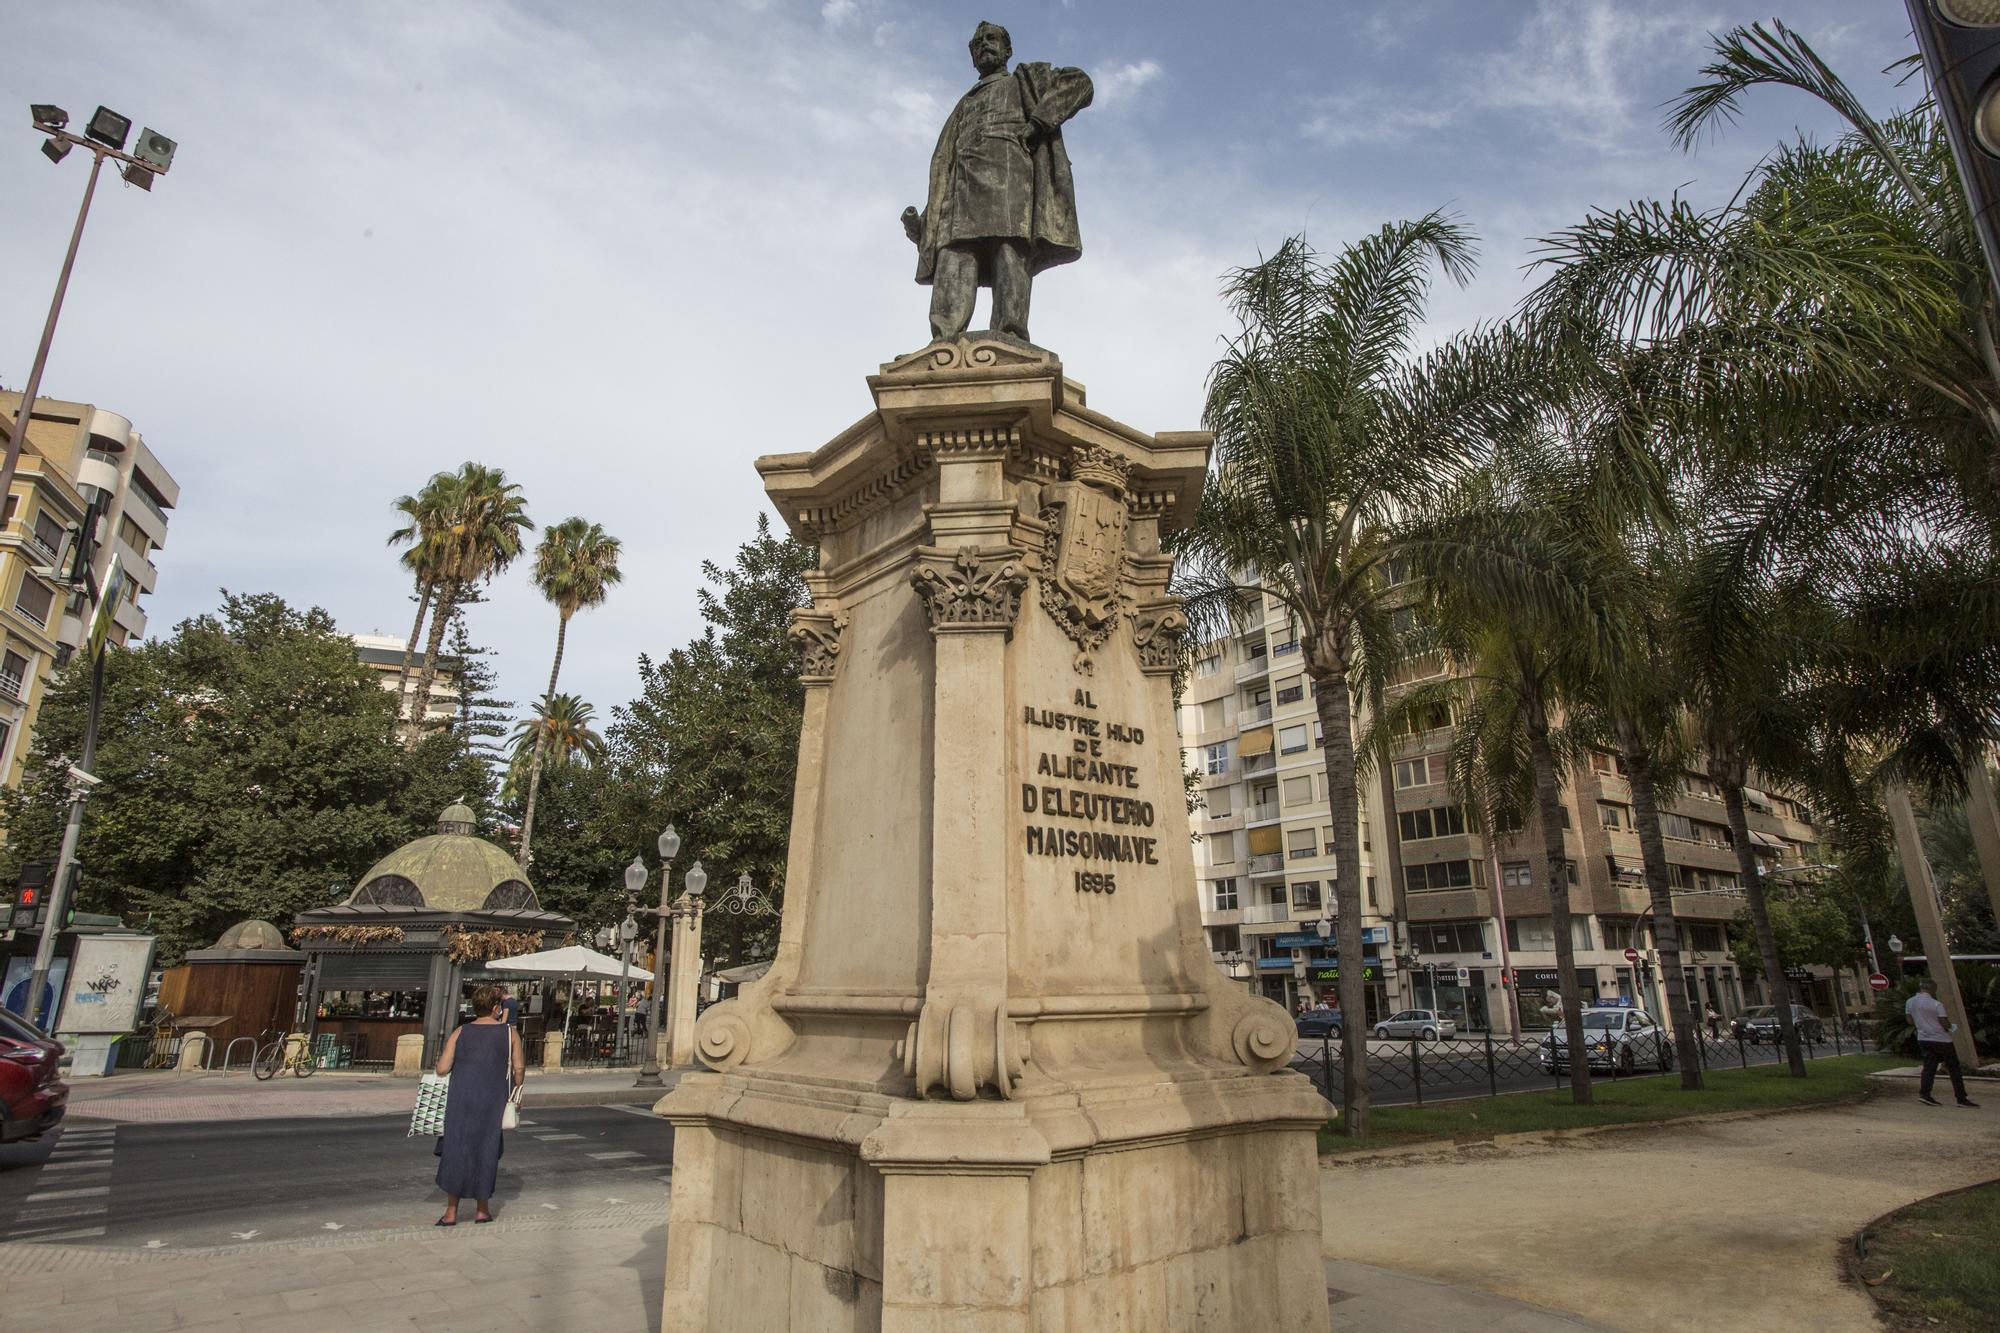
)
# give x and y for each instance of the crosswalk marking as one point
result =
(85, 1192)
(609, 1156)
(557, 1138)
(74, 1206)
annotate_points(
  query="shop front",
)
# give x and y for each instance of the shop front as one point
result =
(1540, 987)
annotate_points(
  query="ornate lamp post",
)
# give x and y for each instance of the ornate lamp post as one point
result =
(670, 846)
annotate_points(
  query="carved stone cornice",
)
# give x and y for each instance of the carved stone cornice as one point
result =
(1157, 628)
(815, 635)
(972, 589)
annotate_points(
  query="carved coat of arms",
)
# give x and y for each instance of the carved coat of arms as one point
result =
(1084, 564)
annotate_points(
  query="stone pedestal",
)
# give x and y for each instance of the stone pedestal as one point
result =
(409, 1056)
(993, 1079)
(552, 1048)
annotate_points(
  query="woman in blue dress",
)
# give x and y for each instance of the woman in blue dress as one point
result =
(478, 1056)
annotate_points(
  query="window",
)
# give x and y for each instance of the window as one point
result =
(1622, 932)
(1531, 932)
(1437, 822)
(13, 675)
(1222, 850)
(1440, 875)
(1221, 803)
(48, 532)
(1707, 937)
(1449, 937)
(1613, 816)
(1306, 895)
(34, 600)
(133, 535)
(1216, 759)
(1301, 843)
(1212, 716)
(1371, 890)
(1283, 649)
(1421, 771)
(1424, 719)
(1290, 691)
(1326, 838)
(1702, 785)
(1291, 740)
(1225, 895)
(1516, 875)
(1677, 826)
(1609, 764)
(1299, 790)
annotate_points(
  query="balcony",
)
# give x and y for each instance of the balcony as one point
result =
(1263, 914)
(1255, 667)
(1284, 649)
(147, 503)
(1263, 813)
(1260, 763)
(1221, 916)
(1250, 717)
(1267, 863)
(12, 686)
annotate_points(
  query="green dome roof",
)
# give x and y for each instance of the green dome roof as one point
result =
(450, 871)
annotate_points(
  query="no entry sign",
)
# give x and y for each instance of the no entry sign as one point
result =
(1631, 955)
(1878, 981)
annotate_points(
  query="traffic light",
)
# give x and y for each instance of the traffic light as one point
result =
(29, 892)
(1960, 41)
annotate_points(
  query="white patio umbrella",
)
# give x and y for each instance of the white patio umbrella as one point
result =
(575, 962)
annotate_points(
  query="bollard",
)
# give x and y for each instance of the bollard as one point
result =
(552, 1044)
(193, 1053)
(409, 1055)
(1417, 1069)
(1492, 1080)
(1742, 1051)
(1326, 1064)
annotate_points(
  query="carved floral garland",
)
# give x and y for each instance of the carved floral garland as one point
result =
(354, 937)
(479, 946)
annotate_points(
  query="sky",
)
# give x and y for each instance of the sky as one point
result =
(622, 249)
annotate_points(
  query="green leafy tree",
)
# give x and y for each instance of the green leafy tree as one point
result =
(482, 718)
(250, 768)
(711, 742)
(575, 566)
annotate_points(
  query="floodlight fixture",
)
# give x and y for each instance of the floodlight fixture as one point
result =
(109, 128)
(135, 174)
(55, 150)
(155, 149)
(48, 117)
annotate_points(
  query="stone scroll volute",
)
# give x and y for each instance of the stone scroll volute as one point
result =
(816, 635)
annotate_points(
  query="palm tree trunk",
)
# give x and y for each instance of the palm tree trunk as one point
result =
(447, 602)
(1760, 917)
(1336, 730)
(541, 744)
(1555, 861)
(1666, 926)
(424, 587)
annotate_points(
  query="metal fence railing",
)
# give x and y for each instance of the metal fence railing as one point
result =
(1414, 1071)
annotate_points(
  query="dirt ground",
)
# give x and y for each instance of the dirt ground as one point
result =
(1733, 1224)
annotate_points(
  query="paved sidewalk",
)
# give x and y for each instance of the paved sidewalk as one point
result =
(1729, 1224)
(168, 1096)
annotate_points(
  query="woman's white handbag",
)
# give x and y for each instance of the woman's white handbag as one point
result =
(510, 1115)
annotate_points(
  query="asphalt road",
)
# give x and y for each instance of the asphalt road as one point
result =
(155, 1186)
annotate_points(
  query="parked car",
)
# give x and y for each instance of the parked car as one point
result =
(1761, 1024)
(1426, 1023)
(1619, 1040)
(1320, 1023)
(32, 1098)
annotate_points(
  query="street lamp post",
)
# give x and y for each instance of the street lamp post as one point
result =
(649, 1070)
(628, 932)
(103, 137)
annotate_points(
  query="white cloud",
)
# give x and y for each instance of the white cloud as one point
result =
(1119, 82)
(837, 12)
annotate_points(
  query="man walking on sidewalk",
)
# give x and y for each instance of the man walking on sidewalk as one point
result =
(1934, 1029)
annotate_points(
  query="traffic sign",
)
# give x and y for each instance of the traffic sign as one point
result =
(1631, 955)
(1878, 981)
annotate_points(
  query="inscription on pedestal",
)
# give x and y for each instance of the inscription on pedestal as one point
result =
(1087, 781)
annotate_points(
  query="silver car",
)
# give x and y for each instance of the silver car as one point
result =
(1613, 1039)
(1426, 1023)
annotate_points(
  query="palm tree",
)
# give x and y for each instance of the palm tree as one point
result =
(575, 565)
(487, 518)
(1332, 448)
(559, 733)
(427, 513)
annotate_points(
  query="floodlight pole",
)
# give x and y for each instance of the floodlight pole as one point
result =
(34, 386)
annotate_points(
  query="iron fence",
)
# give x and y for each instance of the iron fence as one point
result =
(1414, 1071)
(147, 1049)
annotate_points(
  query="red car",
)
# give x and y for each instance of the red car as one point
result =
(32, 1098)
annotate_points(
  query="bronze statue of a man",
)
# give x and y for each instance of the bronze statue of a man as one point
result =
(1002, 206)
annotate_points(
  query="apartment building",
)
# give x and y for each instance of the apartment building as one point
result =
(383, 654)
(71, 451)
(1453, 919)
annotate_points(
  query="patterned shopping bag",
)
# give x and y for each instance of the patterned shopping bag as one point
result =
(428, 1117)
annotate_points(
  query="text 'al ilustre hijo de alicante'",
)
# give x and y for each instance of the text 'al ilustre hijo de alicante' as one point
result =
(1087, 763)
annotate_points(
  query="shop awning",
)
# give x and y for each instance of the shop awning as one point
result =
(1627, 872)
(574, 961)
(1255, 742)
(1757, 799)
(1766, 840)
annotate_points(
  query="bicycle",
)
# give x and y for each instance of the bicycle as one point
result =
(291, 1051)
(165, 1051)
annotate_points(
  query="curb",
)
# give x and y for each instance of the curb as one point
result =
(1460, 1147)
